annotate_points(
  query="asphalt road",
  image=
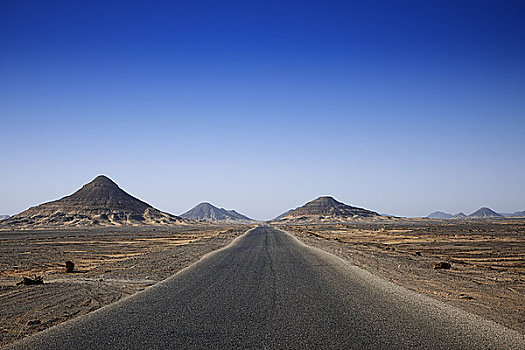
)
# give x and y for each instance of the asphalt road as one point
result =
(269, 291)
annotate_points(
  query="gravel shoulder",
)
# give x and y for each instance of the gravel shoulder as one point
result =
(110, 264)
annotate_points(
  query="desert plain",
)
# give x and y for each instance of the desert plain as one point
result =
(487, 258)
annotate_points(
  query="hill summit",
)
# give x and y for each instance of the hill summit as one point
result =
(327, 209)
(100, 202)
(208, 212)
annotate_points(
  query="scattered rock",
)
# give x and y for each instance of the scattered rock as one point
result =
(466, 297)
(70, 266)
(442, 265)
(31, 281)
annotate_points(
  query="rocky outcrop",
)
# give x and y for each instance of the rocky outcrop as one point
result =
(327, 209)
(100, 202)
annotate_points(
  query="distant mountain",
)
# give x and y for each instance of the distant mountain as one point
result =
(327, 209)
(4, 217)
(459, 216)
(208, 212)
(515, 214)
(282, 215)
(100, 202)
(484, 213)
(439, 215)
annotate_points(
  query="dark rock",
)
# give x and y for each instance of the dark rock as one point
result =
(70, 266)
(31, 281)
(442, 265)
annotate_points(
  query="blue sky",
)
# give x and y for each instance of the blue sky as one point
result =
(402, 107)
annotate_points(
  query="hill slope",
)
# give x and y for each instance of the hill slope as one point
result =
(327, 209)
(279, 217)
(100, 202)
(208, 212)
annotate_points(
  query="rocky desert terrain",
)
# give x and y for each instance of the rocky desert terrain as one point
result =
(110, 264)
(486, 257)
(486, 274)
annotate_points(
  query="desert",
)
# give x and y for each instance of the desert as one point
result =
(487, 261)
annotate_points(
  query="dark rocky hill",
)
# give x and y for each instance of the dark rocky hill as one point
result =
(484, 213)
(327, 209)
(282, 215)
(100, 202)
(459, 216)
(208, 212)
(439, 215)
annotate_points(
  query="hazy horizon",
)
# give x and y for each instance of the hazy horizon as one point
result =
(404, 109)
(241, 211)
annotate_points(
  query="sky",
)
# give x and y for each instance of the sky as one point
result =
(402, 107)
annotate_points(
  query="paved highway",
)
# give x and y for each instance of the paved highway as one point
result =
(269, 291)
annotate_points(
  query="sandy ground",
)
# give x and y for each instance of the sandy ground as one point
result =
(110, 263)
(487, 276)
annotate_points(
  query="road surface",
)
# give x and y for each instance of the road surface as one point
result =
(269, 291)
